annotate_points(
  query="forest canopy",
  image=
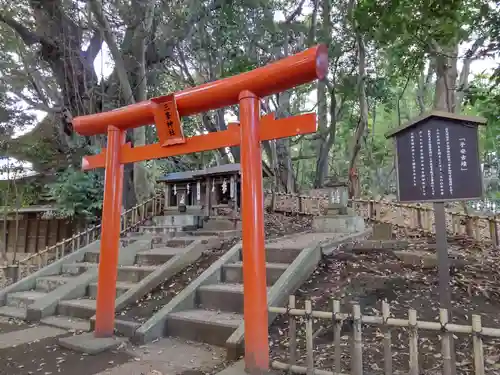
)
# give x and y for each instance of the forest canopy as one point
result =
(389, 62)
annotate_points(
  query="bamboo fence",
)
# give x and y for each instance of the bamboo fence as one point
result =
(385, 322)
(417, 217)
(130, 220)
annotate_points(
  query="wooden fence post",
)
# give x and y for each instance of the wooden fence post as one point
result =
(357, 342)
(493, 226)
(337, 332)
(477, 343)
(477, 229)
(292, 332)
(445, 342)
(309, 338)
(387, 339)
(412, 322)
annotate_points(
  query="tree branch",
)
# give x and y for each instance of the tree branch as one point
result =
(295, 13)
(34, 105)
(184, 67)
(127, 92)
(28, 37)
(94, 47)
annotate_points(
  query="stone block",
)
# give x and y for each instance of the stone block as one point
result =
(87, 343)
(338, 224)
(416, 258)
(382, 231)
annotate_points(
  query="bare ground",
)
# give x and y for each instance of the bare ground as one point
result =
(369, 278)
(47, 357)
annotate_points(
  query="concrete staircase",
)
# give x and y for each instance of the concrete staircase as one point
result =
(129, 277)
(64, 293)
(218, 311)
(210, 309)
(172, 223)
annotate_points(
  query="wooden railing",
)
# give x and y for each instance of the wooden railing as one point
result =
(421, 217)
(130, 220)
(409, 216)
(384, 322)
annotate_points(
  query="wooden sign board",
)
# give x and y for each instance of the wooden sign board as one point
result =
(437, 159)
(167, 121)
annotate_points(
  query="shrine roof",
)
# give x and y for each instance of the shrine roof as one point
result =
(454, 117)
(224, 169)
(177, 176)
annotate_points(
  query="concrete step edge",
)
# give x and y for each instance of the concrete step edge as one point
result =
(13, 312)
(269, 265)
(187, 315)
(222, 287)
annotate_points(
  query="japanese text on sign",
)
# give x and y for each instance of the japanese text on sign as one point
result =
(431, 162)
(167, 120)
(422, 164)
(448, 159)
(413, 162)
(440, 162)
(463, 154)
(433, 158)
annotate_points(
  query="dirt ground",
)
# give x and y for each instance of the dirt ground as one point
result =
(11, 325)
(369, 278)
(47, 357)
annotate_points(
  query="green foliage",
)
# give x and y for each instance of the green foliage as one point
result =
(78, 193)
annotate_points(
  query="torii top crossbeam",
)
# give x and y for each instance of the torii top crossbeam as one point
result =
(245, 89)
(276, 77)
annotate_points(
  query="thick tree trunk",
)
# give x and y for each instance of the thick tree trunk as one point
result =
(286, 173)
(446, 78)
(363, 116)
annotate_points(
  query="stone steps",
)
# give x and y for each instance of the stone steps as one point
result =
(49, 283)
(74, 314)
(157, 256)
(83, 308)
(134, 274)
(222, 297)
(77, 268)
(125, 327)
(167, 229)
(176, 220)
(276, 254)
(218, 307)
(181, 241)
(23, 299)
(121, 287)
(125, 273)
(208, 326)
(13, 312)
(66, 322)
(233, 272)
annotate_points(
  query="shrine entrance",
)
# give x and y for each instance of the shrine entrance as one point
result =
(165, 112)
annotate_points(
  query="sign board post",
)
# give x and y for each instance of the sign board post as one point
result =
(437, 160)
(165, 112)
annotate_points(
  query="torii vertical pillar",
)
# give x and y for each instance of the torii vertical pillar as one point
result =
(254, 258)
(110, 234)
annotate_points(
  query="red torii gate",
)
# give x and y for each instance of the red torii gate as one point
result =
(245, 89)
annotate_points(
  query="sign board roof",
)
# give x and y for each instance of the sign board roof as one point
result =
(474, 120)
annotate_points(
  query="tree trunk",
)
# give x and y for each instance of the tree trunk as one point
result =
(363, 113)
